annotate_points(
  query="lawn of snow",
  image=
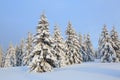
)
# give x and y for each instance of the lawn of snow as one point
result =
(84, 71)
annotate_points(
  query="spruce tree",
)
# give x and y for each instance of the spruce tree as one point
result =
(10, 58)
(59, 47)
(90, 54)
(19, 53)
(83, 48)
(106, 50)
(116, 42)
(73, 46)
(43, 54)
(28, 49)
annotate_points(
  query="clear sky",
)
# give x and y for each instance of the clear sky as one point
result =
(18, 17)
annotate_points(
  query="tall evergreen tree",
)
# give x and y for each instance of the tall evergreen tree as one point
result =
(115, 38)
(73, 46)
(59, 47)
(43, 54)
(10, 59)
(106, 50)
(28, 49)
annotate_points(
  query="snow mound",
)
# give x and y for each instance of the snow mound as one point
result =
(85, 71)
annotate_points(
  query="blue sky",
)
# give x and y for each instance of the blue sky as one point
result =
(18, 17)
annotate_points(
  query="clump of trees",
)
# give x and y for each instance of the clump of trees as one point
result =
(42, 52)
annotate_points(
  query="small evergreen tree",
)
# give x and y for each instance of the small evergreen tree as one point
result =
(43, 54)
(10, 59)
(28, 49)
(19, 53)
(73, 46)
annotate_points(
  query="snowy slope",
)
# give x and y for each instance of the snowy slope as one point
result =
(84, 71)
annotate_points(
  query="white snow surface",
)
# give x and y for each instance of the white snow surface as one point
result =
(84, 71)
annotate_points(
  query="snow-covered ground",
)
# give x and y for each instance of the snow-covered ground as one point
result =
(84, 71)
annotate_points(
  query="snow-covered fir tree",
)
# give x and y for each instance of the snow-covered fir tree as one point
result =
(59, 47)
(83, 48)
(72, 42)
(10, 58)
(115, 38)
(19, 53)
(28, 49)
(106, 51)
(43, 54)
(88, 48)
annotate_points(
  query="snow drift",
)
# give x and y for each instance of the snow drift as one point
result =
(85, 71)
